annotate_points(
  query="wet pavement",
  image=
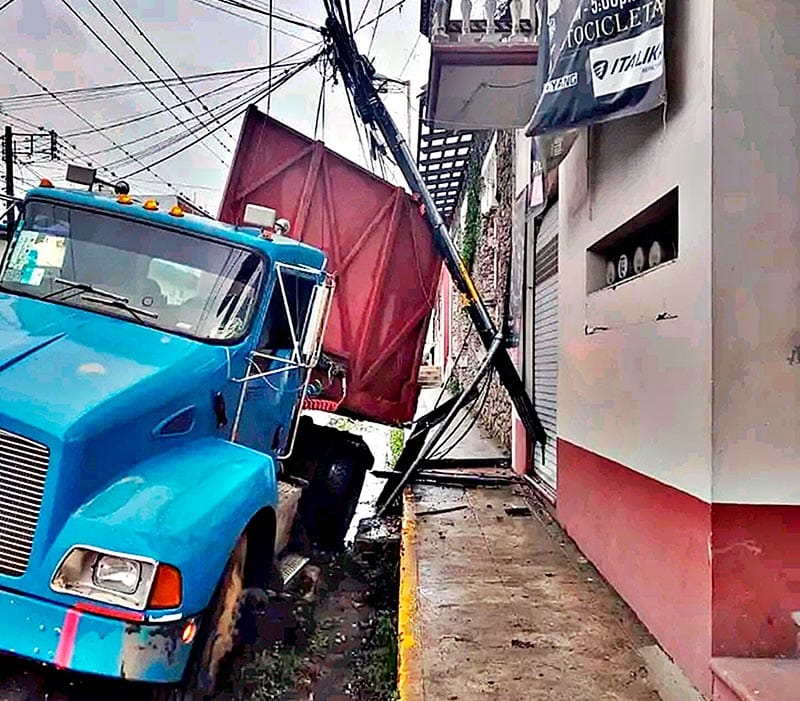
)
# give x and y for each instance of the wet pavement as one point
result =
(507, 608)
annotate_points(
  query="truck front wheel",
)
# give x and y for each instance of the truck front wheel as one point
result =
(216, 637)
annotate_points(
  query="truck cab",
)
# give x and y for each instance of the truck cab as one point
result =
(153, 366)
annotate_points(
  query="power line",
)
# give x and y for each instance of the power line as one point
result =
(289, 18)
(167, 63)
(126, 66)
(271, 45)
(377, 17)
(252, 20)
(228, 119)
(96, 92)
(5, 5)
(154, 113)
(361, 16)
(283, 63)
(410, 56)
(375, 29)
(219, 108)
(73, 111)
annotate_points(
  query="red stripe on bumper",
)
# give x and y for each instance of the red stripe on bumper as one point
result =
(133, 616)
(66, 644)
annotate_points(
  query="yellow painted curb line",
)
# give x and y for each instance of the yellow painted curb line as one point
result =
(409, 676)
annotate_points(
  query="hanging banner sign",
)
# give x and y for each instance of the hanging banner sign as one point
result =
(606, 61)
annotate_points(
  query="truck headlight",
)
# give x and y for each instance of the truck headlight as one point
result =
(117, 574)
(115, 578)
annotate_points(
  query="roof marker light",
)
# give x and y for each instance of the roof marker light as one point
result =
(176, 211)
(45, 182)
(150, 205)
(125, 199)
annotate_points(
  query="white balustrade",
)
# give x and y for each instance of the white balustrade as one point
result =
(441, 14)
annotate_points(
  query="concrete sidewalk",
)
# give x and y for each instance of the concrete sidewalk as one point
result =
(496, 603)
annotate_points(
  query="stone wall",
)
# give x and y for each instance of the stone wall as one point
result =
(490, 273)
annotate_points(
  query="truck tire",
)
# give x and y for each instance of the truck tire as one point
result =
(330, 502)
(216, 637)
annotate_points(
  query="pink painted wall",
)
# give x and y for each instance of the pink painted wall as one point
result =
(651, 542)
(756, 580)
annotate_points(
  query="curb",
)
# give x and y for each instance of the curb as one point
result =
(409, 674)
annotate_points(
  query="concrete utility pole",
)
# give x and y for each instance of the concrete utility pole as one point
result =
(8, 156)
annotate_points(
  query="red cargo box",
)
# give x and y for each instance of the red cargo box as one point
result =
(379, 246)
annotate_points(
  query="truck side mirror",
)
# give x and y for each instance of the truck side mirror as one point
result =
(317, 321)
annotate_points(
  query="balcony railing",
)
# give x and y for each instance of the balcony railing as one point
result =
(514, 22)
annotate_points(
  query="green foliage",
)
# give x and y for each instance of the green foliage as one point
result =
(452, 385)
(472, 225)
(379, 673)
(397, 439)
(342, 423)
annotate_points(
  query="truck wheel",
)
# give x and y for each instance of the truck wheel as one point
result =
(343, 479)
(331, 500)
(216, 637)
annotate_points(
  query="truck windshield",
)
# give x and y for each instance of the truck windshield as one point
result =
(150, 275)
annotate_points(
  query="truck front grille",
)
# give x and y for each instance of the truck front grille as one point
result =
(23, 469)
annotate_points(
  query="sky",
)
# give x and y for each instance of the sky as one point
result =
(51, 41)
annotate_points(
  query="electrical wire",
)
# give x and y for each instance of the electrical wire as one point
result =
(252, 21)
(35, 80)
(153, 113)
(225, 121)
(361, 16)
(375, 28)
(288, 17)
(172, 127)
(166, 62)
(357, 123)
(377, 17)
(124, 64)
(271, 45)
(5, 5)
(320, 103)
(240, 100)
(480, 400)
(283, 63)
(410, 56)
(103, 92)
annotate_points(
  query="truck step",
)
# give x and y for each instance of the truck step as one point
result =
(290, 565)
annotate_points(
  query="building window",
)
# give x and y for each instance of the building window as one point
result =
(642, 244)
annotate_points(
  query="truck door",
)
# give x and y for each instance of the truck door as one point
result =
(279, 367)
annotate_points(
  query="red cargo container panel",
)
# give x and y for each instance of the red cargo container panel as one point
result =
(379, 247)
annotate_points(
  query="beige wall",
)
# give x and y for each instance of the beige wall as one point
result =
(756, 246)
(640, 392)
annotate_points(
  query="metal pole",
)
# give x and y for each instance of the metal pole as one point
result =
(434, 439)
(357, 75)
(8, 155)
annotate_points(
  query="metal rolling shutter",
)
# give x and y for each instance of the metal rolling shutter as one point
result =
(545, 341)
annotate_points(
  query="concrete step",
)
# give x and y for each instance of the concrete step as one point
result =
(755, 679)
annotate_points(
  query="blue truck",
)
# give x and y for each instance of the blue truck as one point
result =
(153, 366)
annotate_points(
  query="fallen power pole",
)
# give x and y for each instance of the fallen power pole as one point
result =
(357, 74)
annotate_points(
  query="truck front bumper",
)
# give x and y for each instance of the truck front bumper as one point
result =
(90, 642)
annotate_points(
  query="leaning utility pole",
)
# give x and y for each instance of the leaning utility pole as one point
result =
(358, 75)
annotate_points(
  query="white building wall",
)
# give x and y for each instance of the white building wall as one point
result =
(522, 161)
(639, 393)
(756, 248)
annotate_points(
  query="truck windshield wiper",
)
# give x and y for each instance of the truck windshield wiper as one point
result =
(136, 312)
(71, 285)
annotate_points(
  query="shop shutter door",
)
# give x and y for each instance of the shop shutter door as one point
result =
(545, 343)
